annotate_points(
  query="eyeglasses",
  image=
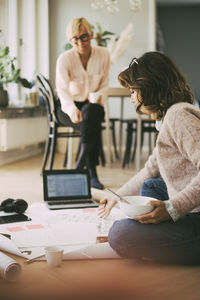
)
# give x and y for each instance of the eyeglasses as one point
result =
(84, 38)
(134, 60)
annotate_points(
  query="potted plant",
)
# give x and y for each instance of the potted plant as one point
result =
(9, 73)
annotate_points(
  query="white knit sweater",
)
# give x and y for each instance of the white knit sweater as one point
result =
(176, 159)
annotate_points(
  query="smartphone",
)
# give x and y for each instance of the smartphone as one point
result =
(14, 218)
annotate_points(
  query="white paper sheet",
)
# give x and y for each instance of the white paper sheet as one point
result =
(96, 251)
(9, 268)
(37, 234)
(80, 252)
(66, 227)
(72, 228)
(7, 245)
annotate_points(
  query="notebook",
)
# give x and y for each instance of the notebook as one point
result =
(67, 189)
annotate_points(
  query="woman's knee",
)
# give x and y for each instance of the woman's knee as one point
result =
(93, 111)
(152, 183)
(154, 187)
(120, 235)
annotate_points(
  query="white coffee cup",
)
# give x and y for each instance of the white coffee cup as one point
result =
(93, 97)
(54, 255)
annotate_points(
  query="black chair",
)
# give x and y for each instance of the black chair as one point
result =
(113, 132)
(131, 132)
(148, 127)
(53, 124)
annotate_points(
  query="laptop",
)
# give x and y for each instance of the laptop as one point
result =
(67, 189)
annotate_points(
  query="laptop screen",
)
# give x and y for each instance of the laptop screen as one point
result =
(66, 184)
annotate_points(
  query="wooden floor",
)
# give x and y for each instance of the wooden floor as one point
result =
(23, 180)
(97, 279)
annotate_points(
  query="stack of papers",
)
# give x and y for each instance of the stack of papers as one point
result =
(74, 229)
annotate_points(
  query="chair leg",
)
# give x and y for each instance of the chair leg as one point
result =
(142, 137)
(102, 155)
(78, 151)
(149, 143)
(128, 146)
(135, 147)
(46, 153)
(114, 138)
(53, 146)
(66, 153)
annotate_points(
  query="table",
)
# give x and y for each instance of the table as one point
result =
(114, 92)
(122, 93)
(12, 112)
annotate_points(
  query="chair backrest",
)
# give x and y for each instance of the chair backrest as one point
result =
(48, 93)
(47, 104)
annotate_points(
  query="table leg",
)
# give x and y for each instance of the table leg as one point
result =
(138, 148)
(70, 150)
(121, 126)
(107, 132)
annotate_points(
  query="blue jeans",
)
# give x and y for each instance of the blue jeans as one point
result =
(168, 242)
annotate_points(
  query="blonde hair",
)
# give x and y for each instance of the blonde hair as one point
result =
(74, 25)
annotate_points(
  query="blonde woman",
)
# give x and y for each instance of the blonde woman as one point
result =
(80, 71)
(171, 232)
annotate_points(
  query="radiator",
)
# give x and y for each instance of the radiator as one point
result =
(22, 132)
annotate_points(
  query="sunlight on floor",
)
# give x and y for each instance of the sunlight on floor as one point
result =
(22, 179)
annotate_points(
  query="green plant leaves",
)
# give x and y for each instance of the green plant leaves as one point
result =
(107, 33)
(9, 72)
(25, 83)
(102, 37)
(67, 46)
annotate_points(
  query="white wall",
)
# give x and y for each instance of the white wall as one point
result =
(4, 19)
(26, 29)
(34, 37)
(62, 11)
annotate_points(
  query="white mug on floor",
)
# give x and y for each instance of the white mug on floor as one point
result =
(54, 255)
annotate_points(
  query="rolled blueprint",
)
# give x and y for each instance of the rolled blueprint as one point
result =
(9, 268)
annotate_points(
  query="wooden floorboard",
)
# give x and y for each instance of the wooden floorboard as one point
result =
(98, 279)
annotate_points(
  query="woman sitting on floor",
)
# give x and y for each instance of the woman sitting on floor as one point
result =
(171, 232)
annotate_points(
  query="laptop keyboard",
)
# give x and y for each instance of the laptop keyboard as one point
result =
(74, 201)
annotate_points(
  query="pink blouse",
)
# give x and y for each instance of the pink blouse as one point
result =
(74, 83)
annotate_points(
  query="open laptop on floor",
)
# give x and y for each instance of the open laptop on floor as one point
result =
(67, 189)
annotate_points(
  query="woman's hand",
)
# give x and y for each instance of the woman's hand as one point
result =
(76, 117)
(105, 207)
(157, 215)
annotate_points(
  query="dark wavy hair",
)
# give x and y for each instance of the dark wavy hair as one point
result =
(159, 80)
